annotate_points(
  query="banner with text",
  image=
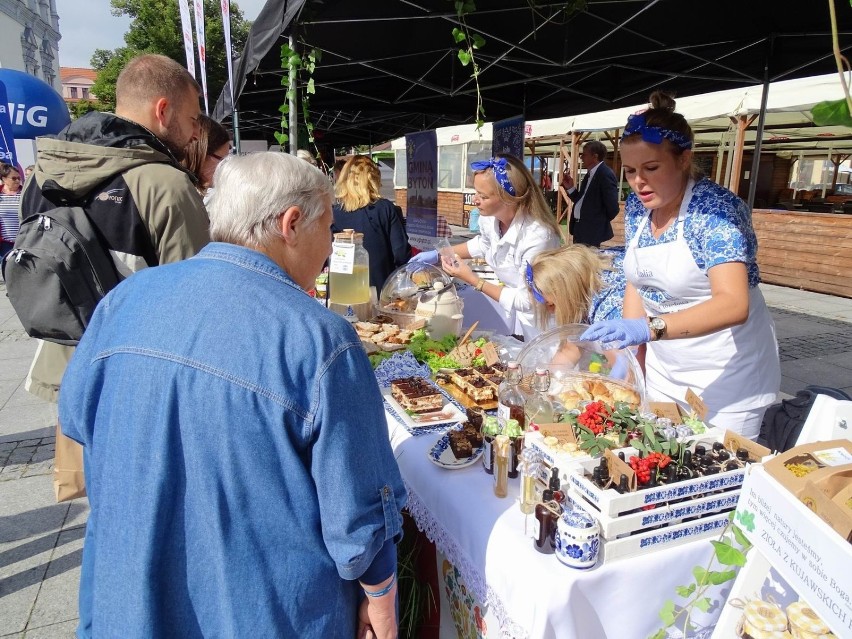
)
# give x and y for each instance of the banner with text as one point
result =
(202, 48)
(421, 157)
(7, 138)
(186, 27)
(508, 137)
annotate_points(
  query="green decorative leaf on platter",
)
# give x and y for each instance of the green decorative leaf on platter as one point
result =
(717, 577)
(700, 575)
(667, 612)
(703, 604)
(685, 591)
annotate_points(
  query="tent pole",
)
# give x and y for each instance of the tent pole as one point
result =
(758, 139)
(235, 120)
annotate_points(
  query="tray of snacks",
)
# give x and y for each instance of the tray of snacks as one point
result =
(417, 402)
(475, 386)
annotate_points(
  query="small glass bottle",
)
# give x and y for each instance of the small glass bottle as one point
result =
(510, 399)
(513, 431)
(539, 408)
(490, 430)
(529, 467)
(349, 270)
(501, 466)
(545, 524)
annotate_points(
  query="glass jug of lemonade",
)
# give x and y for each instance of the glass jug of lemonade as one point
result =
(349, 270)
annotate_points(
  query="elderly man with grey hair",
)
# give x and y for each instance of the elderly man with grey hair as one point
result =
(235, 487)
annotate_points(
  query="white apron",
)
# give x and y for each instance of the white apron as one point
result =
(732, 370)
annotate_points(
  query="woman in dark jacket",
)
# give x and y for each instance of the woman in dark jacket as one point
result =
(361, 207)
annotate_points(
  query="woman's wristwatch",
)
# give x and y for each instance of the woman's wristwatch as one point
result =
(658, 328)
(479, 284)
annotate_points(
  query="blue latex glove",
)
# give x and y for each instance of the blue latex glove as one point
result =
(619, 369)
(619, 333)
(427, 257)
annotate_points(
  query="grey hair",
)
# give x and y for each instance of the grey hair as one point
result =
(251, 191)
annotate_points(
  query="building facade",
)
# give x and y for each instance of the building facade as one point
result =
(77, 83)
(29, 38)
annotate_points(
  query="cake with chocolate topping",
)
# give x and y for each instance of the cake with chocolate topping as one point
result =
(459, 444)
(417, 395)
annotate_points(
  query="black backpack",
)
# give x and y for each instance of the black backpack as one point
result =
(782, 422)
(57, 272)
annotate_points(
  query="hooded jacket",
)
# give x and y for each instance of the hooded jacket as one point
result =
(136, 194)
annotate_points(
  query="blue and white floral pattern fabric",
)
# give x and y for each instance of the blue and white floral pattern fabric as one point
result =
(606, 305)
(717, 228)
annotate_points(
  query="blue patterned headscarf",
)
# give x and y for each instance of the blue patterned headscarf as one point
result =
(498, 165)
(536, 293)
(654, 134)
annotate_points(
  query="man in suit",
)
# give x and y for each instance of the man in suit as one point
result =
(596, 201)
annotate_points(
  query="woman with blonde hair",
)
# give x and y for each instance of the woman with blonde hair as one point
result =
(515, 225)
(576, 284)
(361, 207)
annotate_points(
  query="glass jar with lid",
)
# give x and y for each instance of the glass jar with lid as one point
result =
(349, 270)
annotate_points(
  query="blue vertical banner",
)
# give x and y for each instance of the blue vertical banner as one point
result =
(508, 137)
(421, 157)
(7, 138)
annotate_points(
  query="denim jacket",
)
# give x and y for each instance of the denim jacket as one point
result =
(236, 455)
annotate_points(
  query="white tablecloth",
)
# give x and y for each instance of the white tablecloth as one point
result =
(533, 595)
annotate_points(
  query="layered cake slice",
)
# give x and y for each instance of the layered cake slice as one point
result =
(473, 385)
(417, 395)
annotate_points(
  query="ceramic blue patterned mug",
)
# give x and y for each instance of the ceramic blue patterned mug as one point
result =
(577, 539)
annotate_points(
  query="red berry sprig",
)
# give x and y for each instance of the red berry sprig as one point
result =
(595, 417)
(644, 466)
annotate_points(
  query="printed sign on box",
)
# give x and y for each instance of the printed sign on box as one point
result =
(811, 556)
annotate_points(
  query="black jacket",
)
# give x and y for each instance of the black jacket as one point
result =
(600, 207)
(385, 237)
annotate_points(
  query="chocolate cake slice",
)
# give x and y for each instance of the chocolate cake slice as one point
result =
(459, 444)
(417, 395)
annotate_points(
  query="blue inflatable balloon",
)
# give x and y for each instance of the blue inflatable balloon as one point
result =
(34, 107)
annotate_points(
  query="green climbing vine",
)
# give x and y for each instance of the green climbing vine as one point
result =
(469, 42)
(729, 551)
(835, 112)
(300, 73)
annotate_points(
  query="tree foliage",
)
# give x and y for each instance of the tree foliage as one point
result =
(155, 28)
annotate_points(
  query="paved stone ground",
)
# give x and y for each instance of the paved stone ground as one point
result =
(41, 541)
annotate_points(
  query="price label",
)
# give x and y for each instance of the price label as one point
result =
(696, 404)
(342, 258)
(489, 352)
(666, 409)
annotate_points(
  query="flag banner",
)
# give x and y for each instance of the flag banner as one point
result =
(186, 26)
(202, 48)
(226, 25)
(421, 219)
(508, 137)
(7, 140)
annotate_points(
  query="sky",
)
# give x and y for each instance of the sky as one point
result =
(86, 25)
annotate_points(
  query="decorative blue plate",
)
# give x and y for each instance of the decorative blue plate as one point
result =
(442, 455)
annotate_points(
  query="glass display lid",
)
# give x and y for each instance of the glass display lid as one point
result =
(418, 291)
(582, 371)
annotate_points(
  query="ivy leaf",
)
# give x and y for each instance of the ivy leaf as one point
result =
(291, 94)
(685, 591)
(832, 113)
(700, 575)
(746, 519)
(667, 612)
(719, 577)
(284, 108)
(742, 540)
(458, 35)
(294, 61)
(459, 4)
(284, 123)
(464, 57)
(310, 88)
(728, 555)
(703, 604)
(660, 634)
(469, 6)
(478, 41)
(282, 138)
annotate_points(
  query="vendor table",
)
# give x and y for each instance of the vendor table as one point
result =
(530, 594)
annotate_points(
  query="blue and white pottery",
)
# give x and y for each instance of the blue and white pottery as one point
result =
(577, 539)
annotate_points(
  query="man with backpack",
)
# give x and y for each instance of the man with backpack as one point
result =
(123, 170)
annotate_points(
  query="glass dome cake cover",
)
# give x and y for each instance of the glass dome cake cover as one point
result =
(582, 371)
(412, 284)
